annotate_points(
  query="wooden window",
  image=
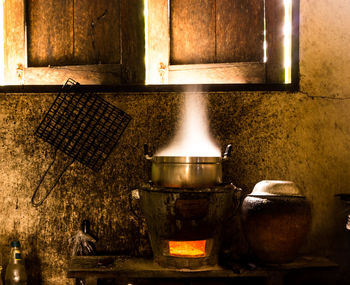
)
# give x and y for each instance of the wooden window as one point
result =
(217, 41)
(93, 41)
(102, 42)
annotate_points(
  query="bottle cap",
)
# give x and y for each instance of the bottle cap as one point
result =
(15, 243)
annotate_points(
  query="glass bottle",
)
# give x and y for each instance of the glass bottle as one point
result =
(1, 270)
(15, 270)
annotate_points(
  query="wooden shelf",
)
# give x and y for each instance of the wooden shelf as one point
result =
(92, 268)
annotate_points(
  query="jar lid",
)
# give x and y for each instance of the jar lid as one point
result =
(276, 188)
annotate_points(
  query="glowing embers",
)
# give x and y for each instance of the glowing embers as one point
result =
(194, 248)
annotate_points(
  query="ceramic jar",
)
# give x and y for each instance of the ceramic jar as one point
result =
(276, 219)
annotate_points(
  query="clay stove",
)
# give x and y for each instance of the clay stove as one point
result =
(185, 224)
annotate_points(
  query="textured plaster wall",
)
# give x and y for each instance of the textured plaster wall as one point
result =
(276, 135)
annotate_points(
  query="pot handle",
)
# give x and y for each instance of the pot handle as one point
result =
(227, 152)
(148, 154)
(237, 200)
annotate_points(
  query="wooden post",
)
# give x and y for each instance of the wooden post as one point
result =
(133, 41)
(14, 36)
(158, 41)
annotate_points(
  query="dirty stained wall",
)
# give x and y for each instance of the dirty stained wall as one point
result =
(302, 136)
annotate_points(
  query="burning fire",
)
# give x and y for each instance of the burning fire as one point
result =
(193, 137)
(194, 248)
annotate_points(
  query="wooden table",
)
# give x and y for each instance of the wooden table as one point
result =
(92, 268)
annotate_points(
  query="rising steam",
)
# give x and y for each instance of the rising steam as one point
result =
(192, 137)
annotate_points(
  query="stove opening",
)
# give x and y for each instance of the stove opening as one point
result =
(193, 248)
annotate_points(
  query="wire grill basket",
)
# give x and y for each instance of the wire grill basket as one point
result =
(82, 125)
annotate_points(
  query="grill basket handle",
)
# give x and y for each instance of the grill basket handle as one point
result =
(41, 201)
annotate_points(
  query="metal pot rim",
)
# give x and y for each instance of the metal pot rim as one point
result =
(186, 159)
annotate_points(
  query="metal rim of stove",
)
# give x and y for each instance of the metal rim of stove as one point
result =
(221, 188)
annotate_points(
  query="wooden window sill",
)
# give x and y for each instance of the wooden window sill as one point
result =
(154, 88)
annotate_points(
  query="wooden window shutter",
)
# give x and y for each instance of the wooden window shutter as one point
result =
(98, 42)
(217, 41)
(207, 41)
(221, 41)
(216, 31)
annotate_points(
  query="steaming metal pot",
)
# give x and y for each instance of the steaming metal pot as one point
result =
(187, 171)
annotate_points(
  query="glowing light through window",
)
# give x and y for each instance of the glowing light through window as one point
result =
(2, 56)
(145, 12)
(287, 40)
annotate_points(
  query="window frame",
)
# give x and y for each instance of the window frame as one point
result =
(138, 87)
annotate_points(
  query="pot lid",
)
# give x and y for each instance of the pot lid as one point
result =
(276, 188)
